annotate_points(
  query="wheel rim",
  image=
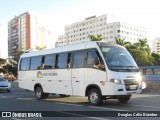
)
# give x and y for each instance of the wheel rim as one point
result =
(94, 97)
(39, 92)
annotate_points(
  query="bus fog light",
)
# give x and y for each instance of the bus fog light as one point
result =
(117, 81)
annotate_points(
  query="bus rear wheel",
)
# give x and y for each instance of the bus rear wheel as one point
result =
(39, 93)
(124, 99)
(94, 97)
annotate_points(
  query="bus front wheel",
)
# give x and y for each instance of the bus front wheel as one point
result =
(39, 93)
(94, 97)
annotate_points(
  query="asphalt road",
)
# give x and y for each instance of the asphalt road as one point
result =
(76, 108)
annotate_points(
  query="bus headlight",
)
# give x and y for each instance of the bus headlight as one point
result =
(139, 78)
(117, 81)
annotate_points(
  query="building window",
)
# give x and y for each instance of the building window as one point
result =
(111, 26)
(111, 37)
(111, 32)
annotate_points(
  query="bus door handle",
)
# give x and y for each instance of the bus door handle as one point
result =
(60, 80)
(32, 80)
(73, 77)
(49, 80)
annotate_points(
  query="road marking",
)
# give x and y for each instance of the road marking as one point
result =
(68, 104)
(33, 99)
(96, 118)
(108, 108)
(146, 106)
(149, 101)
(93, 107)
(145, 95)
(3, 96)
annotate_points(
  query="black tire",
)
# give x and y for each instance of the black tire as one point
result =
(8, 90)
(39, 93)
(124, 99)
(95, 97)
(63, 95)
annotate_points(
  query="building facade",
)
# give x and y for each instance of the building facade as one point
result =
(156, 45)
(24, 32)
(106, 25)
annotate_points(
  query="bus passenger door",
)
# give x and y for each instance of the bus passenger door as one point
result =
(63, 73)
(78, 73)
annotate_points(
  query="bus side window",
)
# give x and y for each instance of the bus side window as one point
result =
(61, 60)
(25, 64)
(79, 59)
(94, 60)
(42, 64)
(69, 60)
(49, 61)
(56, 61)
(36, 63)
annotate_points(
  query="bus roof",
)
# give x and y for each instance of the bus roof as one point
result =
(79, 46)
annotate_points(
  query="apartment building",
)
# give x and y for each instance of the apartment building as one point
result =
(24, 32)
(123, 31)
(156, 45)
(108, 26)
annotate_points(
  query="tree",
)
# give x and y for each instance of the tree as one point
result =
(142, 46)
(156, 57)
(17, 56)
(123, 42)
(40, 48)
(2, 61)
(97, 37)
(141, 58)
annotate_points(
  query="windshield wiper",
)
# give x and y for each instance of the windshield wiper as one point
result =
(126, 67)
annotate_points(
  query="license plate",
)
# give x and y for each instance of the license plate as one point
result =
(133, 87)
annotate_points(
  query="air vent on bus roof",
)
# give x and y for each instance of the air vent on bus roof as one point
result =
(27, 51)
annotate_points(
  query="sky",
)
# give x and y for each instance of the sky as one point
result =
(55, 14)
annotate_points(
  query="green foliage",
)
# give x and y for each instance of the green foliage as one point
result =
(11, 69)
(2, 61)
(156, 57)
(10, 66)
(141, 58)
(141, 52)
(142, 46)
(17, 56)
(40, 48)
(123, 42)
(97, 37)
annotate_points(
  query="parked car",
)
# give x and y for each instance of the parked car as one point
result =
(5, 85)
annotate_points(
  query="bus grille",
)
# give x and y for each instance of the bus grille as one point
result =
(131, 84)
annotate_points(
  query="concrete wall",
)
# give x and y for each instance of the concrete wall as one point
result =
(152, 82)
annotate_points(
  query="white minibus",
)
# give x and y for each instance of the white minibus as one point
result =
(98, 70)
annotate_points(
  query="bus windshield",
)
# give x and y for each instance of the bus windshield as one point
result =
(118, 58)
